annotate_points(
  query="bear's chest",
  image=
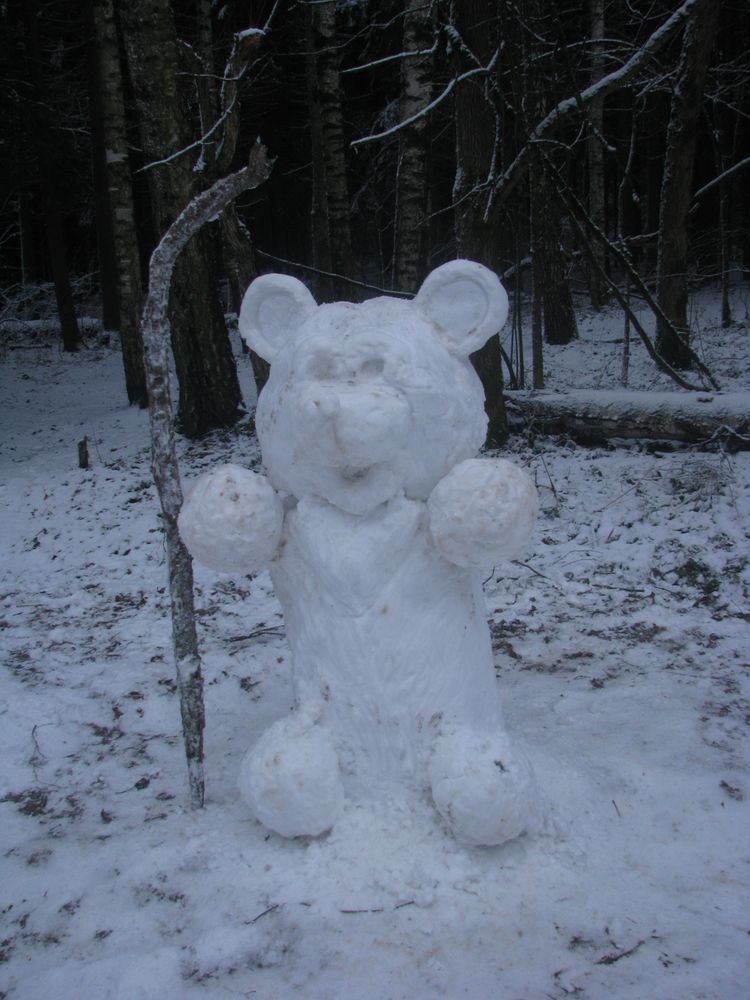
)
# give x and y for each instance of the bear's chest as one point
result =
(347, 561)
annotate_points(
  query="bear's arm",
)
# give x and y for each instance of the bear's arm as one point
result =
(482, 512)
(232, 520)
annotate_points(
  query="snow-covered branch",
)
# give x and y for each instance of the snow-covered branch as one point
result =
(611, 82)
(198, 144)
(156, 347)
(244, 46)
(482, 70)
(721, 178)
(415, 54)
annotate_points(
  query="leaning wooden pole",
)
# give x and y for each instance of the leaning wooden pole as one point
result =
(157, 351)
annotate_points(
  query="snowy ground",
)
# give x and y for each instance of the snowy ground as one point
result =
(622, 651)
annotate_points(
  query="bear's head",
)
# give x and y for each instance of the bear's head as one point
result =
(367, 401)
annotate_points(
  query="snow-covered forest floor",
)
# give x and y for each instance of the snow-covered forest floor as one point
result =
(623, 655)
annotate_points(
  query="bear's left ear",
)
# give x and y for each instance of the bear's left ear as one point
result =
(466, 302)
(274, 307)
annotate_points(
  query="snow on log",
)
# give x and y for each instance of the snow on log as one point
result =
(592, 415)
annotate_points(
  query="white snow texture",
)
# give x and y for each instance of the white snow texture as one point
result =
(369, 423)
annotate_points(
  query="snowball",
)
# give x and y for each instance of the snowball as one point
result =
(484, 791)
(291, 779)
(483, 511)
(232, 520)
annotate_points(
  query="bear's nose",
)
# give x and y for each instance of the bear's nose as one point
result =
(371, 427)
(328, 404)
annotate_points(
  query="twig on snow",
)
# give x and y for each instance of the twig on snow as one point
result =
(269, 909)
(615, 956)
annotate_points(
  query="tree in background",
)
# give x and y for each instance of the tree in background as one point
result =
(209, 391)
(529, 136)
(417, 75)
(673, 337)
(331, 207)
(110, 154)
(477, 135)
(38, 126)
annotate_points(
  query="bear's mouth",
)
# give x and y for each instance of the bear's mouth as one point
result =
(354, 473)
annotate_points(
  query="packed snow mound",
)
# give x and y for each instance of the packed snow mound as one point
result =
(483, 512)
(368, 425)
(290, 779)
(483, 788)
(231, 520)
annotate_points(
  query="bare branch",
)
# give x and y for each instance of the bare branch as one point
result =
(387, 59)
(583, 223)
(612, 81)
(481, 71)
(199, 143)
(720, 179)
(332, 274)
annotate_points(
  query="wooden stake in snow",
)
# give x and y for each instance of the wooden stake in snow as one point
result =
(156, 349)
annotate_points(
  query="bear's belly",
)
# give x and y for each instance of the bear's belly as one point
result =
(385, 633)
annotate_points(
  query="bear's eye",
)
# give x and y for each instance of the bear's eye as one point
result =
(322, 365)
(373, 366)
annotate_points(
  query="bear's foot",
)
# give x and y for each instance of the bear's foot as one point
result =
(291, 779)
(484, 790)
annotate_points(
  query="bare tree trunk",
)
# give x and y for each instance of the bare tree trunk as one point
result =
(103, 221)
(320, 244)
(156, 337)
(71, 335)
(209, 391)
(537, 221)
(551, 289)
(40, 127)
(237, 244)
(595, 153)
(107, 74)
(411, 186)
(560, 324)
(27, 235)
(331, 232)
(477, 132)
(677, 182)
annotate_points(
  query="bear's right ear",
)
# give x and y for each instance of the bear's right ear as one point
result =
(273, 309)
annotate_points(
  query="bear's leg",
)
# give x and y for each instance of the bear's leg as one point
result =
(291, 779)
(484, 790)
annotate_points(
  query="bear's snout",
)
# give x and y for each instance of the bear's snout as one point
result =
(362, 426)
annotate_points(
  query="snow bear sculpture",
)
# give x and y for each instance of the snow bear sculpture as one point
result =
(376, 522)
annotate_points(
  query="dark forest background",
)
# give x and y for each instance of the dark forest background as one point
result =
(594, 151)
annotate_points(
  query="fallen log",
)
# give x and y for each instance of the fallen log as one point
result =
(593, 416)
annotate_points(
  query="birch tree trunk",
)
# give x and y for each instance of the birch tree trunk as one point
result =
(156, 340)
(209, 391)
(477, 132)
(411, 183)
(677, 182)
(107, 77)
